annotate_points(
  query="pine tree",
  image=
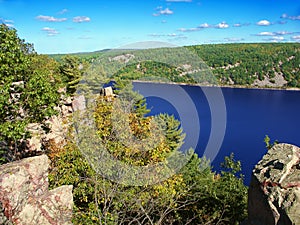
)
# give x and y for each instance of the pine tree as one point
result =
(172, 129)
(71, 70)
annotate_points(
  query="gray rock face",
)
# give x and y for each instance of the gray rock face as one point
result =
(58, 125)
(108, 92)
(274, 192)
(25, 197)
(79, 103)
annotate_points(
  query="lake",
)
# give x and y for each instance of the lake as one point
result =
(218, 121)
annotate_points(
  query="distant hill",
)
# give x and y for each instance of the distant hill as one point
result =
(251, 64)
(264, 64)
(84, 55)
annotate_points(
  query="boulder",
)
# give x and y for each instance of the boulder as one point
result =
(34, 144)
(25, 198)
(274, 192)
(79, 103)
(107, 91)
(58, 130)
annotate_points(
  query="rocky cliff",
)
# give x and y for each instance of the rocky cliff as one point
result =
(25, 198)
(274, 192)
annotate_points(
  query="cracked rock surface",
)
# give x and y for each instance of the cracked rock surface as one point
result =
(274, 192)
(25, 198)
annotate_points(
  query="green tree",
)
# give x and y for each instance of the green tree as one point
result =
(72, 70)
(27, 92)
(213, 198)
(41, 84)
(173, 131)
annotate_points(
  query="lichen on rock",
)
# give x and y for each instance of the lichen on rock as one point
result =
(25, 198)
(274, 192)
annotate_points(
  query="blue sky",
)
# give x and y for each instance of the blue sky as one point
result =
(65, 26)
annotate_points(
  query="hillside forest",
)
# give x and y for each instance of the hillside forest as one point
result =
(232, 64)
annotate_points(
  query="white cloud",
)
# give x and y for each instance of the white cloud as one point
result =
(266, 34)
(166, 11)
(294, 17)
(8, 21)
(50, 31)
(50, 19)
(9, 25)
(278, 38)
(200, 27)
(81, 19)
(296, 38)
(222, 25)
(275, 39)
(263, 23)
(204, 25)
(172, 35)
(241, 24)
(286, 16)
(182, 29)
(283, 32)
(161, 11)
(178, 0)
(274, 33)
(163, 21)
(63, 11)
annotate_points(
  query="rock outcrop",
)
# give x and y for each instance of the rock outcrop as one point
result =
(25, 198)
(58, 128)
(79, 103)
(274, 192)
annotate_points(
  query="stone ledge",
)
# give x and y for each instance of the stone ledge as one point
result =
(25, 197)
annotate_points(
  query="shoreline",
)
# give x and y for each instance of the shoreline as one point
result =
(222, 86)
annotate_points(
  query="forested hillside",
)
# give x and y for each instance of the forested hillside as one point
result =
(260, 64)
(243, 64)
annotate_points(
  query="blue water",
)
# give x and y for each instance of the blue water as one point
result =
(218, 121)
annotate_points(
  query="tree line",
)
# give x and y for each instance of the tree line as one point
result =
(238, 64)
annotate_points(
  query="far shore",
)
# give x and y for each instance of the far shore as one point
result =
(222, 86)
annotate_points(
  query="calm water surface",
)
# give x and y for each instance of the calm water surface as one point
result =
(246, 114)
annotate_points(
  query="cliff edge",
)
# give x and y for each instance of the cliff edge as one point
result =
(274, 192)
